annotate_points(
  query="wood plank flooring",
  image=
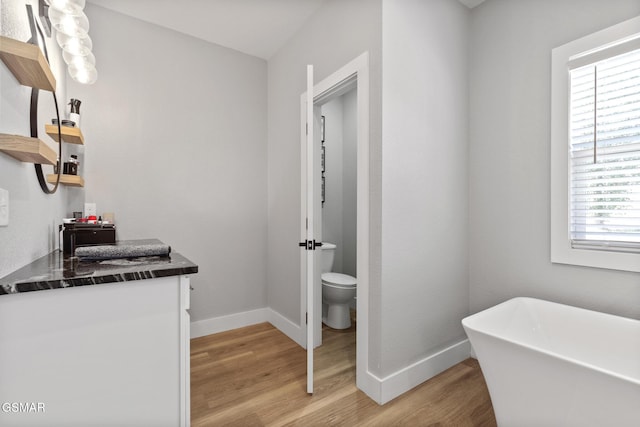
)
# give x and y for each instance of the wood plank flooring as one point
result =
(256, 376)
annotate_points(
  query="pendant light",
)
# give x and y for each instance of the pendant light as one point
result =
(72, 26)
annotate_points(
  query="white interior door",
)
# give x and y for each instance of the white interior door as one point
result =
(310, 242)
(312, 221)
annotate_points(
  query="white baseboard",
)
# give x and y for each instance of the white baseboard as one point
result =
(214, 325)
(407, 378)
(287, 327)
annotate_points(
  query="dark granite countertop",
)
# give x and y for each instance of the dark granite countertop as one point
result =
(56, 270)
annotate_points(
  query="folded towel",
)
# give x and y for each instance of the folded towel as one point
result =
(100, 252)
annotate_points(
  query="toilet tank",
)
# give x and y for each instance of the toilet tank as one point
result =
(328, 255)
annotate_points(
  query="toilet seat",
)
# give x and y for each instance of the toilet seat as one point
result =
(338, 280)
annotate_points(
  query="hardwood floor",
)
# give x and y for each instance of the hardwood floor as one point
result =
(256, 376)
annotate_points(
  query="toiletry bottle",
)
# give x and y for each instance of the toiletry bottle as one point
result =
(74, 115)
(73, 165)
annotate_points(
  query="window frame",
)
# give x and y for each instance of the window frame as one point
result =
(593, 46)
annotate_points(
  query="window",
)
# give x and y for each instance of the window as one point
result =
(604, 145)
(595, 162)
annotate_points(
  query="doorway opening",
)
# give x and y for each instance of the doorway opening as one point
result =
(347, 86)
(338, 167)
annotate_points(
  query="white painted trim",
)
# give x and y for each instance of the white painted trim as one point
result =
(214, 325)
(392, 386)
(361, 64)
(561, 251)
(287, 327)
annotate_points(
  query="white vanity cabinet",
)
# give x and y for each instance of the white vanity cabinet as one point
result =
(109, 354)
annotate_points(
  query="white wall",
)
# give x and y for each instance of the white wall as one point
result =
(510, 64)
(339, 32)
(339, 210)
(33, 215)
(176, 147)
(424, 179)
(332, 207)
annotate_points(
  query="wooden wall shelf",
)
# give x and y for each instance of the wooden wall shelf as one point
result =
(26, 149)
(27, 63)
(30, 67)
(69, 134)
(71, 180)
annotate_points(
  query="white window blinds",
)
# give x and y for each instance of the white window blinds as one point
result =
(604, 177)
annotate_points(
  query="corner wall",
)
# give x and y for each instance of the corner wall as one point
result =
(509, 174)
(424, 191)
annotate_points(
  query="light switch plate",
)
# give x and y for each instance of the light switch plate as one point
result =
(4, 208)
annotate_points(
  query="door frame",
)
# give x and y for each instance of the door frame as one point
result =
(356, 72)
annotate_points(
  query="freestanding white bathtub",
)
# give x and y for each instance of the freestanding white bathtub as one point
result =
(549, 364)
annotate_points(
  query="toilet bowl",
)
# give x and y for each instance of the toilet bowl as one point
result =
(338, 291)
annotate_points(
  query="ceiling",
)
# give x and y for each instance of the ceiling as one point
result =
(255, 27)
(471, 3)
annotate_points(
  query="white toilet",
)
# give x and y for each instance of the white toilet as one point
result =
(338, 291)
